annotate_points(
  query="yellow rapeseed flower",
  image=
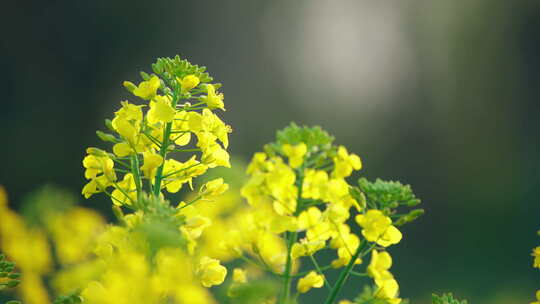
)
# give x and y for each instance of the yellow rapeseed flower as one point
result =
(536, 255)
(295, 154)
(311, 280)
(378, 228)
(188, 82)
(147, 89)
(211, 272)
(212, 99)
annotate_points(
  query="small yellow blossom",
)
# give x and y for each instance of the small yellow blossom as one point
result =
(537, 298)
(213, 100)
(99, 164)
(295, 154)
(151, 162)
(311, 280)
(306, 248)
(239, 275)
(211, 272)
(188, 82)
(378, 228)
(536, 255)
(388, 290)
(214, 188)
(160, 110)
(379, 265)
(345, 163)
(147, 89)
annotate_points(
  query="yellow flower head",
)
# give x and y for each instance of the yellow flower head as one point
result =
(378, 228)
(160, 110)
(379, 265)
(345, 163)
(212, 99)
(295, 154)
(311, 280)
(211, 272)
(147, 89)
(188, 82)
(214, 188)
(151, 162)
(536, 255)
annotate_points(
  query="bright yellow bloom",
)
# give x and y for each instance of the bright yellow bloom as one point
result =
(214, 187)
(147, 89)
(388, 290)
(345, 302)
(160, 110)
(350, 243)
(99, 164)
(537, 298)
(211, 272)
(295, 154)
(188, 82)
(378, 228)
(311, 280)
(314, 184)
(536, 255)
(344, 163)
(151, 162)
(379, 265)
(96, 185)
(306, 248)
(239, 275)
(213, 100)
(309, 218)
(124, 192)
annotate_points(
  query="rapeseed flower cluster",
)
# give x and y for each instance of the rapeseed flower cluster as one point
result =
(301, 203)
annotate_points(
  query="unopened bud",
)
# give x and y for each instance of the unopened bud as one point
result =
(130, 86)
(106, 137)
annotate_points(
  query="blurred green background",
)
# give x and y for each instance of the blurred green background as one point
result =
(442, 95)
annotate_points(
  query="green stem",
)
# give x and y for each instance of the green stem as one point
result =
(163, 149)
(344, 275)
(136, 175)
(319, 270)
(291, 238)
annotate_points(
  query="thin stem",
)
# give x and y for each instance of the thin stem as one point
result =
(163, 149)
(320, 272)
(136, 175)
(291, 238)
(344, 275)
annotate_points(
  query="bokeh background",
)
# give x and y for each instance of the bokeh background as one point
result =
(442, 95)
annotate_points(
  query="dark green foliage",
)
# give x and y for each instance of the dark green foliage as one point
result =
(446, 298)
